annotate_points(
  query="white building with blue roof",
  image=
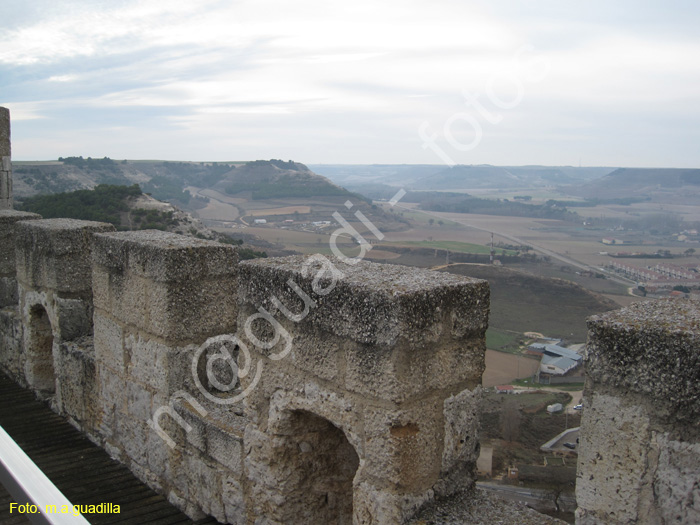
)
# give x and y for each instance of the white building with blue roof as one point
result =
(556, 360)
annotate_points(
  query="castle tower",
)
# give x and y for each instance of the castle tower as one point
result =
(5, 164)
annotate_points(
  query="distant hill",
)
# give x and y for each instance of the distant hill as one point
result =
(220, 193)
(262, 179)
(461, 177)
(659, 184)
(276, 179)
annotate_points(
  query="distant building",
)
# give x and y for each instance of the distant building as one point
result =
(556, 360)
(260, 221)
(484, 465)
(611, 240)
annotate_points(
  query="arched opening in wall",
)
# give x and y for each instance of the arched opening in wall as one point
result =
(323, 466)
(39, 367)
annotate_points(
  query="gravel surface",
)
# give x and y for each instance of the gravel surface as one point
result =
(476, 507)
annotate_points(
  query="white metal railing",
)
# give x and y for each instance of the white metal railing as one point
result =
(37, 497)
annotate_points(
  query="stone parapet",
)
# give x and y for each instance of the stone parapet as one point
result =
(390, 356)
(55, 254)
(388, 332)
(405, 304)
(178, 288)
(639, 454)
(158, 296)
(8, 267)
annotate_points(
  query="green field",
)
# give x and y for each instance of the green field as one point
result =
(569, 387)
(422, 219)
(453, 246)
(501, 340)
(524, 303)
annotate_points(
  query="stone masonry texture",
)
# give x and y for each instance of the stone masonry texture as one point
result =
(639, 457)
(5, 160)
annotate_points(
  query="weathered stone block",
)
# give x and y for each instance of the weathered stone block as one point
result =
(74, 317)
(8, 224)
(8, 269)
(652, 348)
(205, 482)
(148, 362)
(76, 388)
(378, 330)
(112, 399)
(11, 337)
(177, 288)
(639, 433)
(55, 253)
(109, 343)
(613, 452)
(676, 483)
(139, 401)
(225, 447)
(233, 500)
(370, 303)
(461, 443)
(405, 446)
(132, 434)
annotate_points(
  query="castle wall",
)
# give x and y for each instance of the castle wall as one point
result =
(389, 355)
(55, 308)
(8, 267)
(158, 297)
(5, 161)
(11, 331)
(639, 453)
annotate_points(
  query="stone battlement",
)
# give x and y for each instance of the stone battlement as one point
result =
(310, 390)
(207, 376)
(639, 455)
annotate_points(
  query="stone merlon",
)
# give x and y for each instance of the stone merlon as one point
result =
(651, 348)
(372, 303)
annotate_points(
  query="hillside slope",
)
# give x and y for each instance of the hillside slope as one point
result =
(522, 302)
(659, 184)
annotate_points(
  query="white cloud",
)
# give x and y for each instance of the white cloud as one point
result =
(316, 68)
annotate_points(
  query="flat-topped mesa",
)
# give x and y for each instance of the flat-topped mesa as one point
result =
(387, 354)
(5, 160)
(639, 455)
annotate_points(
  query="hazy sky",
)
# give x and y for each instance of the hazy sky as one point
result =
(554, 82)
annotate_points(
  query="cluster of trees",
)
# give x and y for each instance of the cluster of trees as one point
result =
(105, 203)
(152, 219)
(89, 162)
(289, 165)
(45, 181)
(166, 189)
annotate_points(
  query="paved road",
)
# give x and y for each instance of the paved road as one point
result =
(541, 249)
